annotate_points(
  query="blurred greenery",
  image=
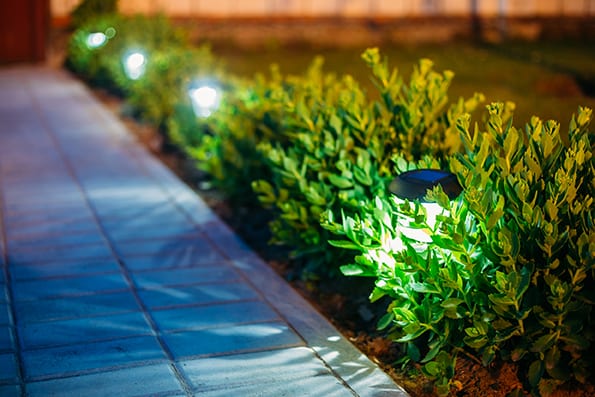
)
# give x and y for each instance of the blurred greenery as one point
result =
(542, 78)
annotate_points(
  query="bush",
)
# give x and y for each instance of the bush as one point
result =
(88, 10)
(343, 145)
(508, 268)
(102, 65)
(164, 86)
(224, 144)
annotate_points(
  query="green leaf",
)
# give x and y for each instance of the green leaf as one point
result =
(340, 182)
(385, 321)
(432, 369)
(425, 288)
(413, 352)
(535, 373)
(345, 244)
(544, 342)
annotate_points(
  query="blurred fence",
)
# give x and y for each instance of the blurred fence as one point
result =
(346, 8)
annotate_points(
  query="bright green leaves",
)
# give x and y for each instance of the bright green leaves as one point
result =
(333, 148)
(531, 228)
(507, 267)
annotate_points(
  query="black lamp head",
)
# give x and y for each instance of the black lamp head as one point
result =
(413, 185)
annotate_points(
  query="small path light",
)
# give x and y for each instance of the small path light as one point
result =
(413, 185)
(134, 65)
(205, 98)
(96, 40)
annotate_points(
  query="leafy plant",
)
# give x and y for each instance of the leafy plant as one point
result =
(541, 233)
(343, 144)
(103, 65)
(166, 80)
(224, 144)
(88, 10)
(508, 267)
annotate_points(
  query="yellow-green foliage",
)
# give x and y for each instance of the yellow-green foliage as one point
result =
(343, 145)
(508, 268)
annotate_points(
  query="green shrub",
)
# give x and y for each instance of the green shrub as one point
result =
(165, 82)
(91, 63)
(103, 65)
(225, 144)
(508, 268)
(88, 10)
(343, 144)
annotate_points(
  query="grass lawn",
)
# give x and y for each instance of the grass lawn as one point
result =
(538, 77)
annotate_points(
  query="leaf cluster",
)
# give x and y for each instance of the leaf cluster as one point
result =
(506, 269)
(343, 144)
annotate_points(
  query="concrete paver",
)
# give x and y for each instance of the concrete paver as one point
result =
(117, 279)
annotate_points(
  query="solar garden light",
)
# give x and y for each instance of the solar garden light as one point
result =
(205, 98)
(413, 185)
(96, 40)
(134, 64)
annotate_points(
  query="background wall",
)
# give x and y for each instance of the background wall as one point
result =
(345, 8)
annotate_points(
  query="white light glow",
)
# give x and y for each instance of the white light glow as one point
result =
(134, 65)
(422, 235)
(96, 40)
(205, 99)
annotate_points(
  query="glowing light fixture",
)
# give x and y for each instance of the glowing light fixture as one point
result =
(205, 98)
(413, 185)
(134, 64)
(96, 40)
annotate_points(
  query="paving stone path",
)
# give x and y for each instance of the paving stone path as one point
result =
(117, 280)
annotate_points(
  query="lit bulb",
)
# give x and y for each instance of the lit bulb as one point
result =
(135, 65)
(204, 99)
(96, 40)
(421, 235)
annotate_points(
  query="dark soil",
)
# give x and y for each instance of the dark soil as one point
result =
(343, 303)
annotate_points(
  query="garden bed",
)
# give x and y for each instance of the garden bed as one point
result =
(343, 301)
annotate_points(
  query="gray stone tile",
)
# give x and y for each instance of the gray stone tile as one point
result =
(67, 360)
(6, 339)
(45, 241)
(114, 194)
(163, 260)
(122, 210)
(253, 369)
(285, 372)
(48, 288)
(55, 216)
(4, 316)
(94, 329)
(53, 210)
(8, 368)
(64, 269)
(153, 229)
(143, 215)
(138, 381)
(171, 246)
(198, 317)
(75, 307)
(323, 385)
(30, 257)
(162, 297)
(236, 339)
(50, 226)
(10, 390)
(185, 276)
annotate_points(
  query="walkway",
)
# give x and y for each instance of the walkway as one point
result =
(117, 280)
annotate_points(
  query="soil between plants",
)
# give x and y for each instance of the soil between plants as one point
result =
(343, 303)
